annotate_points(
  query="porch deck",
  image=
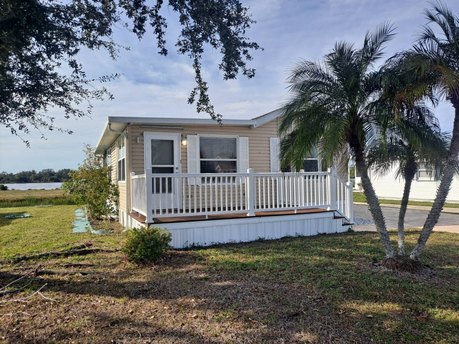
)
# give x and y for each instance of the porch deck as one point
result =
(173, 219)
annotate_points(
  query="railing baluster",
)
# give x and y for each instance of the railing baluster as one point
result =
(171, 197)
(183, 195)
(241, 193)
(226, 192)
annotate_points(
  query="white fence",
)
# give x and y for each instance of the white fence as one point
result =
(182, 194)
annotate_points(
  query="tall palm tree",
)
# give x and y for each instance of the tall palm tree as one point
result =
(415, 139)
(331, 107)
(435, 62)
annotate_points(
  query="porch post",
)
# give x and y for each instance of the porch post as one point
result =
(350, 202)
(332, 189)
(149, 185)
(250, 192)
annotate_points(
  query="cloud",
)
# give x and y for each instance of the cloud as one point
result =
(153, 85)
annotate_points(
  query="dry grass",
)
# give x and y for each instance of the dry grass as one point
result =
(305, 290)
(17, 195)
(18, 198)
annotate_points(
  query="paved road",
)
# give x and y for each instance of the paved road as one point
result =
(414, 218)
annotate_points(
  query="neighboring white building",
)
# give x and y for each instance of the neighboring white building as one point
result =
(423, 188)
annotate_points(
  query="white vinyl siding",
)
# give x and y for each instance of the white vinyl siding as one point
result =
(258, 144)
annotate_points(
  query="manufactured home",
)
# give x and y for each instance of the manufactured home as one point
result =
(423, 188)
(211, 183)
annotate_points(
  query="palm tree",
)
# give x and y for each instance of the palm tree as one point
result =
(414, 139)
(435, 62)
(331, 107)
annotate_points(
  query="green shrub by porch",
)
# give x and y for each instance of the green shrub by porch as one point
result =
(146, 245)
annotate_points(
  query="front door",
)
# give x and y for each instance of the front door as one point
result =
(162, 155)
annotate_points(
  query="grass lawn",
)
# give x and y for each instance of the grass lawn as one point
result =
(360, 197)
(319, 289)
(49, 228)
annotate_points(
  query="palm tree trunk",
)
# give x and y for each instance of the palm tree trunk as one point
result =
(373, 205)
(443, 190)
(401, 215)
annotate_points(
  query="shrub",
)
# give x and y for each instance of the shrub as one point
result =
(3, 187)
(146, 245)
(90, 185)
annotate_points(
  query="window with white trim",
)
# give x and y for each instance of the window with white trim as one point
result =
(218, 154)
(121, 161)
(425, 174)
(312, 162)
(108, 162)
(108, 157)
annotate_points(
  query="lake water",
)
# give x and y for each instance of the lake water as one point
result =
(34, 186)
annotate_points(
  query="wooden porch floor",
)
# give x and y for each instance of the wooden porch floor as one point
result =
(190, 218)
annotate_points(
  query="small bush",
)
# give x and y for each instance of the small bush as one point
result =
(90, 185)
(3, 187)
(146, 245)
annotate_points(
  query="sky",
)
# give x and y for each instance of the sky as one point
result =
(155, 86)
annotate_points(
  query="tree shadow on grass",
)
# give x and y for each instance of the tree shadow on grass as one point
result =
(318, 288)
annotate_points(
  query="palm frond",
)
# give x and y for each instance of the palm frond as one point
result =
(444, 18)
(373, 45)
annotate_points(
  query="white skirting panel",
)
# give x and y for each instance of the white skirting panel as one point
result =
(212, 232)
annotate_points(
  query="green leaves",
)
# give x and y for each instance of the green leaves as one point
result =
(90, 185)
(146, 245)
(330, 103)
(40, 41)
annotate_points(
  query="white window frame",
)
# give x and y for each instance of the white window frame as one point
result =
(108, 157)
(429, 177)
(121, 177)
(218, 137)
(108, 162)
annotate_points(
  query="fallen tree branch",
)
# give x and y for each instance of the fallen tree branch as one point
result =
(5, 291)
(74, 251)
(10, 291)
(15, 281)
(26, 299)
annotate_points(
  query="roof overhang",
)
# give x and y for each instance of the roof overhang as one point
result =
(115, 125)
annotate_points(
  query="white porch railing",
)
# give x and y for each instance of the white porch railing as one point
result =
(139, 193)
(183, 194)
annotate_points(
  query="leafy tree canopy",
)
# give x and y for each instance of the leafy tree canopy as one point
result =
(44, 176)
(40, 41)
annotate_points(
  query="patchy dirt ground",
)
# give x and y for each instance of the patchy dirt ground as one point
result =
(277, 292)
(177, 302)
